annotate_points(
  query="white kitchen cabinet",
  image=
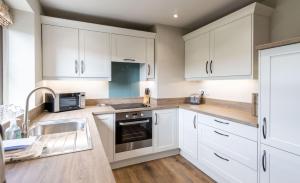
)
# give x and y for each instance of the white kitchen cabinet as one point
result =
(236, 147)
(225, 49)
(105, 126)
(60, 52)
(129, 49)
(223, 168)
(150, 59)
(232, 49)
(197, 57)
(277, 166)
(147, 70)
(165, 129)
(279, 91)
(189, 133)
(94, 54)
(74, 53)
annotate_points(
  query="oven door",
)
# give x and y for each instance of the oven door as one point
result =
(69, 101)
(133, 134)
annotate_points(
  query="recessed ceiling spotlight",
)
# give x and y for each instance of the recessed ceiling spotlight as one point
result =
(175, 15)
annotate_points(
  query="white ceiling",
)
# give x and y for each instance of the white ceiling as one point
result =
(149, 12)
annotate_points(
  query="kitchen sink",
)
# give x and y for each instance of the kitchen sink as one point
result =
(62, 136)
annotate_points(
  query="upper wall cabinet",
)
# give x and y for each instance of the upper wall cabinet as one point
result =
(73, 49)
(74, 53)
(122, 52)
(225, 49)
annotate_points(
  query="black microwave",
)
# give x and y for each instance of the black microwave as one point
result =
(64, 101)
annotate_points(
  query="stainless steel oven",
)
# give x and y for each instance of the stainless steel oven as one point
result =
(133, 130)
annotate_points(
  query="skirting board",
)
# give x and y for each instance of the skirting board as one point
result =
(141, 159)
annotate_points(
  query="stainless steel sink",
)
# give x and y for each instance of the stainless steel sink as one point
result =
(62, 136)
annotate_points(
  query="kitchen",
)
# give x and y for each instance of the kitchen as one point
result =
(175, 91)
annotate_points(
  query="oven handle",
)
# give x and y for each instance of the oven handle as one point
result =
(133, 123)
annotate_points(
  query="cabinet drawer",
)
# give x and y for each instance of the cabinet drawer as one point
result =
(229, 126)
(237, 148)
(226, 168)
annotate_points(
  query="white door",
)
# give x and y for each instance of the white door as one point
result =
(105, 125)
(278, 166)
(165, 129)
(189, 133)
(280, 89)
(232, 49)
(197, 57)
(60, 52)
(94, 54)
(150, 59)
(128, 49)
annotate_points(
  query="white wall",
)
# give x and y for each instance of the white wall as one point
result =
(285, 20)
(169, 60)
(93, 89)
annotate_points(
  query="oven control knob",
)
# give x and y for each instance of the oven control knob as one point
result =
(126, 116)
(142, 114)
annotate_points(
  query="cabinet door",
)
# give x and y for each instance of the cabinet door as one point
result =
(60, 52)
(105, 126)
(94, 54)
(278, 166)
(150, 59)
(280, 88)
(128, 49)
(197, 57)
(165, 130)
(189, 133)
(232, 49)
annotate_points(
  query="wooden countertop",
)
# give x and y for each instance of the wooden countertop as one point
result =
(89, 166)
(231, 114)
(219, 111)
(279, 43)
(92, 166)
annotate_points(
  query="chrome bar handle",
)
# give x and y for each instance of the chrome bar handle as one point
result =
(82, 67)
(264, 161)
(221, 157)
(206, 67)
(149, 71)
(194, 122)
(221, 133)
(156, 116)
(210, 66)
(129, 59)
(264, 128)
(222, 122)
(76, 67)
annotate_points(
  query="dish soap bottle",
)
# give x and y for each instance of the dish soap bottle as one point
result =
(14, 131)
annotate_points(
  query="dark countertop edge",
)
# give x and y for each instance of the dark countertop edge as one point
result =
(182, 106)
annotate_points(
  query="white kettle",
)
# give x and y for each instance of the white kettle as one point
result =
(2, 166)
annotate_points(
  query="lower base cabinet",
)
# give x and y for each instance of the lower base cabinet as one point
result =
(165, 130)
(277, 166)
(223, 168)
(105, 126)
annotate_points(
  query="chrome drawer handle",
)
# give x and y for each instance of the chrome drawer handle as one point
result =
(225, 159)
(221, 134)
(222, 122)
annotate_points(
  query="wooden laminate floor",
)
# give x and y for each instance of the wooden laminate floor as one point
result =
(174, 169)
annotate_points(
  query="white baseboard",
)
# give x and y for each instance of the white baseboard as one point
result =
(141, 159)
